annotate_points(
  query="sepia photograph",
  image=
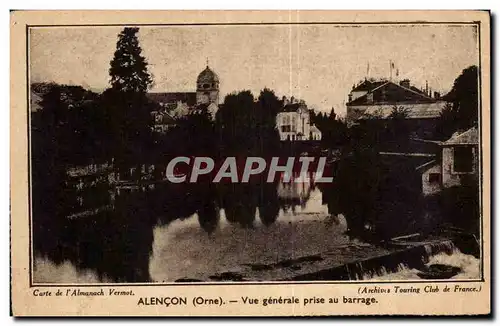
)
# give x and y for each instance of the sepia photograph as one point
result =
(272, 153)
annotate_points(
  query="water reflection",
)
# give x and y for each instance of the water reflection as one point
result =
(115, 243)
(165, 232)
(111, 231)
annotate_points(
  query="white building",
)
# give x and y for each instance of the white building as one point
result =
(294, 123)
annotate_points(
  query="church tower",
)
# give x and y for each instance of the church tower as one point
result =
(207, 87)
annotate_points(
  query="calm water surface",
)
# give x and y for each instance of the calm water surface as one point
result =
(185, 232)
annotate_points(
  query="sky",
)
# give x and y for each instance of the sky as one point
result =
(316, 63)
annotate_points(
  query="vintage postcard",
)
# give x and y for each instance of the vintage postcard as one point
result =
(259, 163)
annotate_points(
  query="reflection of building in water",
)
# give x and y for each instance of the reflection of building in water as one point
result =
(295, 193)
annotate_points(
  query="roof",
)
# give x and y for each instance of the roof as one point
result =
(293, 107)
(422, 111)
(162, 117)
(173, 97)
(368, 85)
(290, 107)
(207, 76)
(314, 129)
(388, 92)
(469, 137)
(410, 163)
(427, 165)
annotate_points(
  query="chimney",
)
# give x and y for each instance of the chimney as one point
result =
(292, 100)
(405, 83)
(285, 100)
(437, 95)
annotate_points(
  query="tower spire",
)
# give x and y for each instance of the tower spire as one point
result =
(207, 62)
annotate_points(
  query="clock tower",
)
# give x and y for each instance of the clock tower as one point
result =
(207, 87)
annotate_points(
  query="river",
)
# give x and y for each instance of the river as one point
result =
(173, 233)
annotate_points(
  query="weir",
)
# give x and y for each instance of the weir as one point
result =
(397, 257)
(415, 256)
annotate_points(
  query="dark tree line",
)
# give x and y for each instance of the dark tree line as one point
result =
(462, 110)
(86, 127)
(247, 126)
(334, 131)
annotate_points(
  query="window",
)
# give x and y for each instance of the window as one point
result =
(206, 85)
(285, 128)
(463, 159)
(434, 178)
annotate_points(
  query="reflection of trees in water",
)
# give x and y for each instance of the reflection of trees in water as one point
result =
(173, 201)
(378, 199)
(208, 216)
(115, 244)
(240, 203)
(269, 205)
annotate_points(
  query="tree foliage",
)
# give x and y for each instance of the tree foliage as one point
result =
(463, 97)
(128, 108)
(334, 131)
(128, 69)
(246, 126)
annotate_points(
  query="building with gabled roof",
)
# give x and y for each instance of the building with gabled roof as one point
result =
(460, 157)
(459, 161)
(383, 95)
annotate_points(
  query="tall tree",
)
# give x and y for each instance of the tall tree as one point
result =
(246, 126)
(332, 115)
(464, 99)
(237, 123)
(268, 106)
(128, 69)
(129, 109)
(397, 127)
